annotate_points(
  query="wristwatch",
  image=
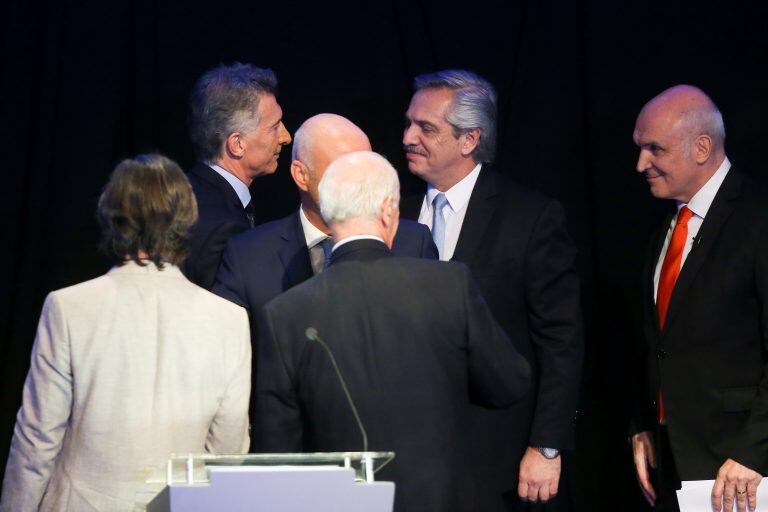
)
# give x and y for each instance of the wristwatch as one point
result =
(548, 453)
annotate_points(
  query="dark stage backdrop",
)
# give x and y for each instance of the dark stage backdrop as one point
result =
(84, 86)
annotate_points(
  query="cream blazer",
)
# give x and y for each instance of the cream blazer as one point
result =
(126, 368)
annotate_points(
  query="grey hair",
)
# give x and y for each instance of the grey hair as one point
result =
(361, 195)
(473, 106)
(223, 101)
(702, 121)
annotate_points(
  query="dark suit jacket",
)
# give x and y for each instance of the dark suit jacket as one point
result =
(516, 244)
(710, 359)
(262, 263)
(415, 343)
(221, 215)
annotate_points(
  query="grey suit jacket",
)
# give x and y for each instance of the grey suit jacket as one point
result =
(126, 368)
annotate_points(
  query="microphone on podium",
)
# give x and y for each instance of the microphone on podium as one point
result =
(312, 335)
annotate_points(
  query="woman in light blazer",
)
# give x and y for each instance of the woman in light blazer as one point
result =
(130, 366)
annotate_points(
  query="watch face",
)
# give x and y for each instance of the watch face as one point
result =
(549, 453)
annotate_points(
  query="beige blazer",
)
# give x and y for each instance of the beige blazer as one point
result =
(126, 368)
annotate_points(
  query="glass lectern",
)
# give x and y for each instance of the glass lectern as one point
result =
(271, 481)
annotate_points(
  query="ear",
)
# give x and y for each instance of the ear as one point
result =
(300, 175)
(469, 141)
(390, 212)
(235, 145)
(385, 214)
(702, 148)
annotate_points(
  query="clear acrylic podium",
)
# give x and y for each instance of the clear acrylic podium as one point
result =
(274, 482)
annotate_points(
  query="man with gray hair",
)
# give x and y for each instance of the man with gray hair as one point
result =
(702, 410)
(237, 132)
(413, 339)
(516, 244)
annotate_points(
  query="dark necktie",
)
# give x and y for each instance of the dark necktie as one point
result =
(250, 210)
(327, 249)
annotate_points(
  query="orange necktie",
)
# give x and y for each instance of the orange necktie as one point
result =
(670, 269)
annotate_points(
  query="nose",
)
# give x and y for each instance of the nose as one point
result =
(284, 137)
(409, 136)
(643, 161)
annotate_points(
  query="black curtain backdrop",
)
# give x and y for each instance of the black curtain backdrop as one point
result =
(84, 86)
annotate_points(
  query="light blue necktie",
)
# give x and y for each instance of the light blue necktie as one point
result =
(438, 221)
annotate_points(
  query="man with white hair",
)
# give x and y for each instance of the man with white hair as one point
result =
(413, 338)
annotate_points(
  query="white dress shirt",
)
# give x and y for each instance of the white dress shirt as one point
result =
(458, 199)
(699, 205)
(241, 189)
(312, 235)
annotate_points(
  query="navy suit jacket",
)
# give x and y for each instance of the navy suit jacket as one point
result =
(262, 263)
(221, 215)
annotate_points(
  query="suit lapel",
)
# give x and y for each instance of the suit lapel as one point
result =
(294, 253)
(718, 213)
(214, 179)
(482, 204)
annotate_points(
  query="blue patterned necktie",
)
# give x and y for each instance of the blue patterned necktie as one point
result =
(438, 221)
(327, 249)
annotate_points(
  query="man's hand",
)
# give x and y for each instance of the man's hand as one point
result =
(738, 482)
(539, 476)
(644, 456)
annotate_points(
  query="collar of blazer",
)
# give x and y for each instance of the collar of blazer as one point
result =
(479, 212)
(133, 268)
(360, 250)
(294, 253)
(722, 207)
(214, 179)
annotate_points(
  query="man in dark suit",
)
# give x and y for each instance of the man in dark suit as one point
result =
(237, 132)
(262, 263)
(516, 245)
(413, 339)
(703, 408)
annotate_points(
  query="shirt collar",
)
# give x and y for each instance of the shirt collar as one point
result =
(241, 189)
(312, 235)
(458, 195)
(702, 200)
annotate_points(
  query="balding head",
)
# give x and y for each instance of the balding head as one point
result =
(690, 112)
(359, 195)
(323, 138)
(681, 138)
(320, 140)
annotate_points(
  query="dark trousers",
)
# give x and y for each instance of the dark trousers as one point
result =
(665, 478)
